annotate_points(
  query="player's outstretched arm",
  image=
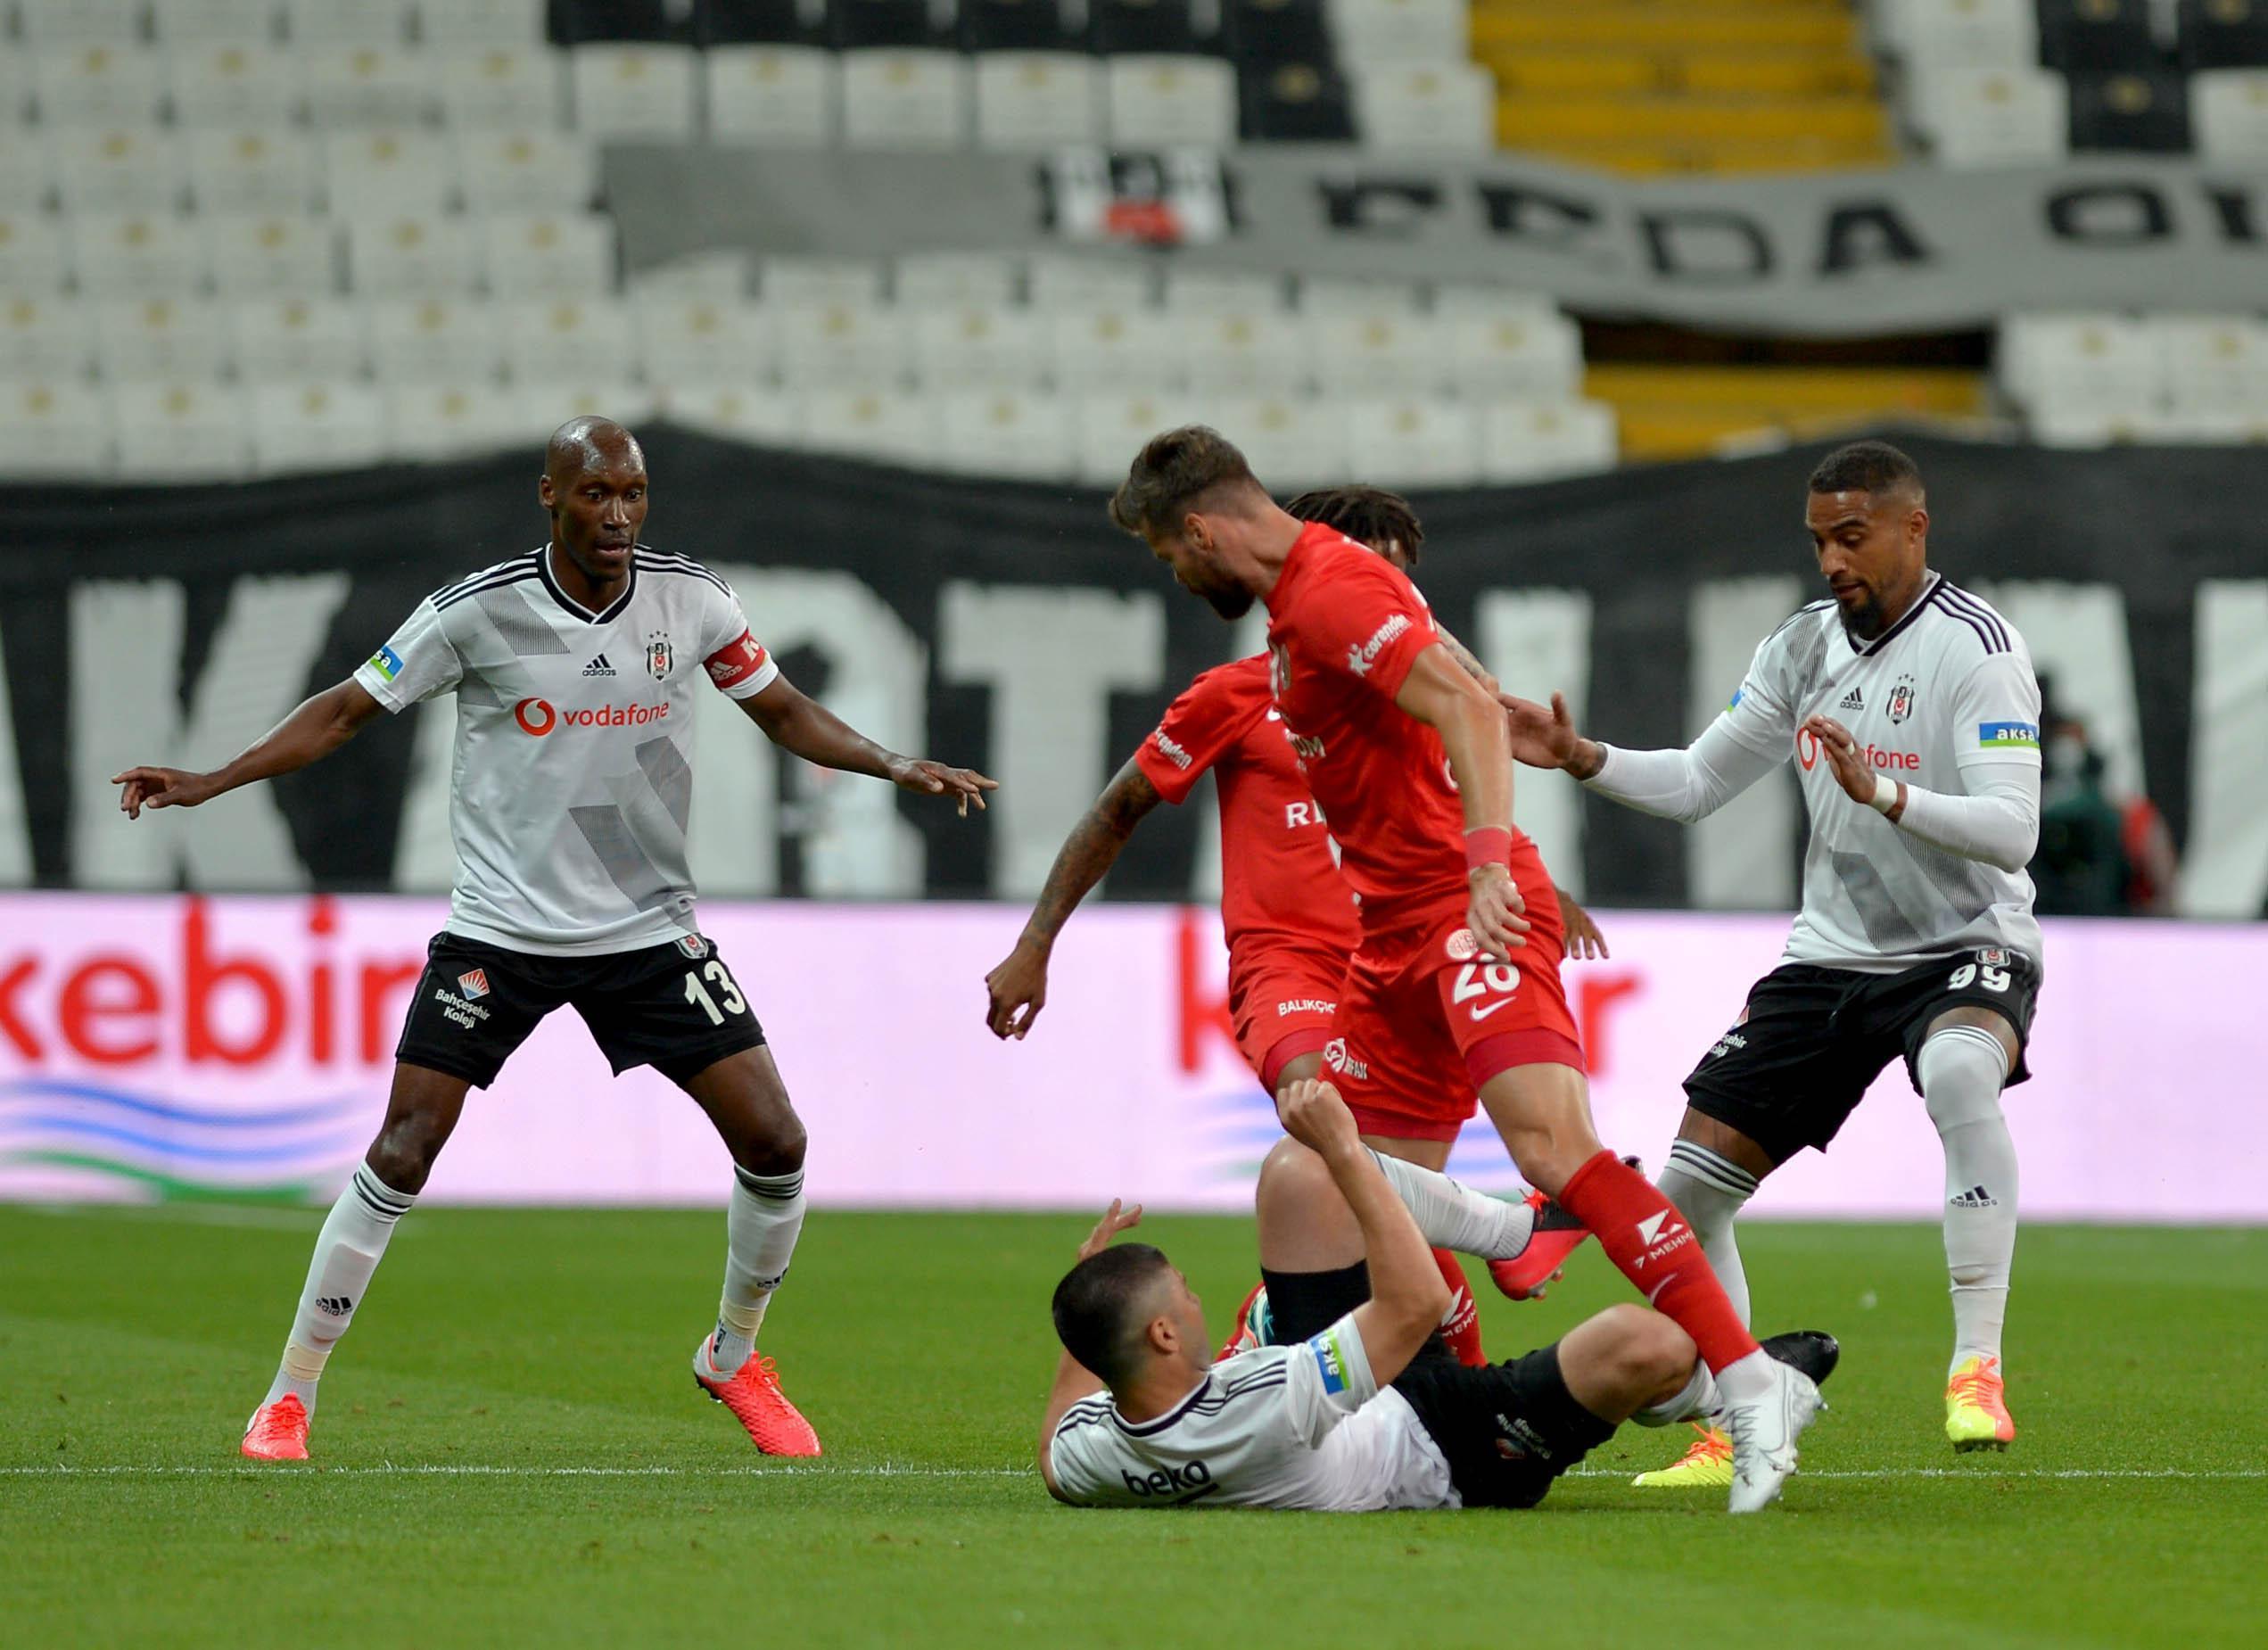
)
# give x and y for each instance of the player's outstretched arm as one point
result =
(1438, 692)
(319, 726)
(801, 725)
(1072, 1380)
(1016, 991)
(1684, 784)
(1406, 1294)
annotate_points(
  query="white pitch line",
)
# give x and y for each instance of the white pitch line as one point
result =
(1983, 1473)
(453, 1470)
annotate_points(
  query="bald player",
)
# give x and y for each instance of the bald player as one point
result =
(576, 670)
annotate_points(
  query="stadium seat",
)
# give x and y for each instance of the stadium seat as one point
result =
(186, 22)
(1117, 28)
(44, 23)
(2148, 112)
(1037, 100)
(439, 421)
(1223, 292)
(1376, 352)
(634, 92)
(2230, 107)
(905, 99)
(44, 337)
(100, 85)
(1930, 35)
(1131, 349)
(181, 430)
(520, 87)
(1060, 282)
(1414, 440)
(580, 22)
(1371, 32)
(1438, 107)
(1518, 356)
(451, 26)
(255, 254)
(1015, 433)
(58, 430)
(547, 341)
(390, 174)
(253, 170)
(865, 25)
(16, 79)
(830, 346)
(1291, 441)
(529, 169)
(1462, 299)
(1304, 103)
(311, 23)
(551, 255)
(929, 279)
(1112, 427)
(136, 255)
(1013, 26)
(1254, 353)
(982, 345)
(1156, 102)
(736, 409)
(26, 170)
(798, 280)
(434, 340)
(413, 257)
(1321, 295)
(782, 97)
(299, 340)
(117, 169)
(880, 426)
(1259, 33)
(539, 407)
(720, 277)
(1975, 118)
(2077, 363)
(34, 255)
(2212, 363)
(227, 83)
(2097, 36)
(758, 22)
(1524, 442)
(2224, 34)
(368, 85)
(340, 425)
(160, 338)
(698, 340)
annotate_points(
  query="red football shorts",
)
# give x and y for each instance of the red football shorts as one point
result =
(1279, 1006)
(1424, 1022)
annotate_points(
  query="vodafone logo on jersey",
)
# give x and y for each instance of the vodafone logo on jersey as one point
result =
(1807, 752)
(538, 717)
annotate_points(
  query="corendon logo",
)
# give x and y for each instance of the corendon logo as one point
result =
(537, 717)
(1360, 659)
(1807, 752)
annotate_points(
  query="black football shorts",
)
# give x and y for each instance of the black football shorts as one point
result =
(1506, 1429)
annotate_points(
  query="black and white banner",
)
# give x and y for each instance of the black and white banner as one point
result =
(1824, 253)
(1010, 627)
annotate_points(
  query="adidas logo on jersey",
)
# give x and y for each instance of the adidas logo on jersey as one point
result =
(1853, 702)
(599, 667)
(1975, 1197)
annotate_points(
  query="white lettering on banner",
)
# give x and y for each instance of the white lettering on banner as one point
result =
(15, 827)
(126, 708)
(1537, 641)
(2078, 637)
(2224, 871)
(1743, 857)
(1051, 657)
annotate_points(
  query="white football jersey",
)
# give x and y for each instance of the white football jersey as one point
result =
(571, 785)
(1300, 1426)
(1946, 690)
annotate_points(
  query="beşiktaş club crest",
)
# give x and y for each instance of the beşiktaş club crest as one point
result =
(1901, 699)
(694, 946)
(658, 655)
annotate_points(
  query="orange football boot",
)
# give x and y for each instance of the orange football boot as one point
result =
(1976, 1407)
(1557, 1234)
(278, 1431)
(752, 1393)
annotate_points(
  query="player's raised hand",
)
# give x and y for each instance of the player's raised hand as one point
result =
(159, 787)
(1848, 763)
(1585, 943)
(1113, 1222)
(935, 779)
(1313, 1114)
(1542, 736)
(1019, 983)
(1493, 912)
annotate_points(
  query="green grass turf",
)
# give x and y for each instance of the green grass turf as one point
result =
(137, 1341)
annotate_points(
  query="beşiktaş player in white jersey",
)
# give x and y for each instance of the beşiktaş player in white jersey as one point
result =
(575, 671)
(1910, 709)
(1352, 1417)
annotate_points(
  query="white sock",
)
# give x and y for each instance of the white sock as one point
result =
(1698, 1397)
(1961, 1069)
(761, 1227)
(1453, 1216)
(1709, 1188)
(346, 1253)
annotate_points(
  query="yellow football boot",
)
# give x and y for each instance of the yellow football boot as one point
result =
(1976, 1408)
(1707, 1465)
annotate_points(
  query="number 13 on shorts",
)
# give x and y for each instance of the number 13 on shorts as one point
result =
(714, 973)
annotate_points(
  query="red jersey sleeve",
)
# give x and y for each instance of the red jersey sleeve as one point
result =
(1366, 619)
(1211, 715)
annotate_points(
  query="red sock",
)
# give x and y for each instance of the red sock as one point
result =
(1650, 1243)
(1462, 1328)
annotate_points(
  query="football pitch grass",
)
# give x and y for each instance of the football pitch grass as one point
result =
(510, 1450)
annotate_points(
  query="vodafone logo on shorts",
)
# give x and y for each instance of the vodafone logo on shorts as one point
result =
(539, 717)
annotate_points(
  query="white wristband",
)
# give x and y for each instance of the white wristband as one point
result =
(1885, 796)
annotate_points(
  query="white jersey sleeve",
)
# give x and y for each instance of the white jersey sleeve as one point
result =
(1997, 713)
(1750, 738)
(417, 662)
(1761, 717)
(735, 660)
(1328, 1380)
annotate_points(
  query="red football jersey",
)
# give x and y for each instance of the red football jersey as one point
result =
(1344, 628)
(1279, 884)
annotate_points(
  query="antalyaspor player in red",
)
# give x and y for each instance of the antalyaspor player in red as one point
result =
(1290, 919)
(1454, 992)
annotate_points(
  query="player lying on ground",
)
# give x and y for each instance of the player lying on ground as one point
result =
(1353, 1416)
(1453, 993)
(574, 670)
(1910, 708)
(1289, 917)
